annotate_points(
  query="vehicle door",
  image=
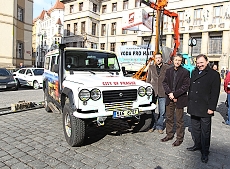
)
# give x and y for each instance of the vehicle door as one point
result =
(20, 75)
(53, 79)
(29, 76)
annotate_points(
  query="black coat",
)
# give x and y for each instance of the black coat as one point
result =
(204, 92)
(182, 86)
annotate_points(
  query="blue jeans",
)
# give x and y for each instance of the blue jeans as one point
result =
(228, 120)
(159, 124)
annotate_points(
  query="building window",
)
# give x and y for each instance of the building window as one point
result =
(94, 8)
(181, 44)
(166, 22)
(81, 6)
(20, 50)
(93, 45)
(198, 16)
(124, 31)
(134, 42)
(113, 29)
(104, 7)
(215, 45)
(102, 46)
(197, 49)
(59, 29)
(82, 27)
(112, 47)
(114, 7)
(181, 17)
(68, 30)
(71, 9)
(103, 29)
(217, 14)
(75, 29)
(123, 43)
(94, 25)
(20, 14)
(125, 4)
(137, 3)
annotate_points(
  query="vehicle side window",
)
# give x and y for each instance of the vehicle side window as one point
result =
(22, 71)
(47, 63)
(53, 59)
(57, 59)
(28, 71)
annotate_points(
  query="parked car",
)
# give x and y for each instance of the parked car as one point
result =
(29, 77)
(7, 80)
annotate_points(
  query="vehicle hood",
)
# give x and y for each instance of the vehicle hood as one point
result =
(5, 79)
(104, 80)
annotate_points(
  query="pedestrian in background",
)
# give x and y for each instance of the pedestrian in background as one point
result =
(203, 97)
(176, 85)
(222, 73)
(21, 65)
(227, 90)
(156, 75)
(214, 67)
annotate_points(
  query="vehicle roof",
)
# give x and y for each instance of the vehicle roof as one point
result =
(56, 51)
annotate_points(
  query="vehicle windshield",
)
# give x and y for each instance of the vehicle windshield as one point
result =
(91, 60)
(38, 72)
(4, 72)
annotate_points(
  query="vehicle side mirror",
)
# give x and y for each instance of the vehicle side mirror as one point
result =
(14, 74)
(55, 68)
(29, 74)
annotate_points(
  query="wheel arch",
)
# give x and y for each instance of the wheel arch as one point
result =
(68, 93)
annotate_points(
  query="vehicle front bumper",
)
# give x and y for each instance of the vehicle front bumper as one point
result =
(103, 113)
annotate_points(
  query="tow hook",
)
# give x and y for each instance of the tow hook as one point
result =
(100, 121)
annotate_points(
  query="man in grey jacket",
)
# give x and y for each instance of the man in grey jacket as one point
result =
(156, 75)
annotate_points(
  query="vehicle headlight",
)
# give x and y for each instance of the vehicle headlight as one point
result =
(149, 91)
(141, 91)
(84, 95)
(95, 94)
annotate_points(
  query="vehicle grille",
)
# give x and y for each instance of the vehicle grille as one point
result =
(118, 106)
(119, 95)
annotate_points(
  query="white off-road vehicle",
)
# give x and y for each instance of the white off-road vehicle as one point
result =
(87, 86)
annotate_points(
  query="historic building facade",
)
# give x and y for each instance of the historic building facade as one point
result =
(47, 32)
(98, 24)
(16, 33)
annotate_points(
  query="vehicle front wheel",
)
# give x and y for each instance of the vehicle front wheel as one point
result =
(46, 101)
(74, 128)
(36, 85)
(144, 122)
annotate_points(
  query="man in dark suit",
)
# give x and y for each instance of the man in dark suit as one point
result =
(176, 85)
(203, 97)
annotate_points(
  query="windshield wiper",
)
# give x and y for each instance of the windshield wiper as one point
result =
(92, 72)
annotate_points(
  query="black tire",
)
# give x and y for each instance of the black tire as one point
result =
(18, 83)
(46, 101)
(36, 85)
(144, 122)
(74, 128)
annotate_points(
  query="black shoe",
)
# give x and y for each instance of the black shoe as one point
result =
(204, 158)
(193, 148)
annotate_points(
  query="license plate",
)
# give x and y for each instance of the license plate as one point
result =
(2, 86)
(125, 113)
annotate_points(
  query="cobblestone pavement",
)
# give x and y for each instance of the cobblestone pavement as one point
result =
(35, 139)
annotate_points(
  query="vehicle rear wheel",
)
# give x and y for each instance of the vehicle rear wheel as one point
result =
(144, 122)
(74, 128)
(46, 101)
(36, 85)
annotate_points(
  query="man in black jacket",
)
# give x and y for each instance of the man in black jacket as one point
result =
(203, 97)
(176, 85)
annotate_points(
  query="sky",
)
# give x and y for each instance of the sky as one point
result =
(39, 5)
